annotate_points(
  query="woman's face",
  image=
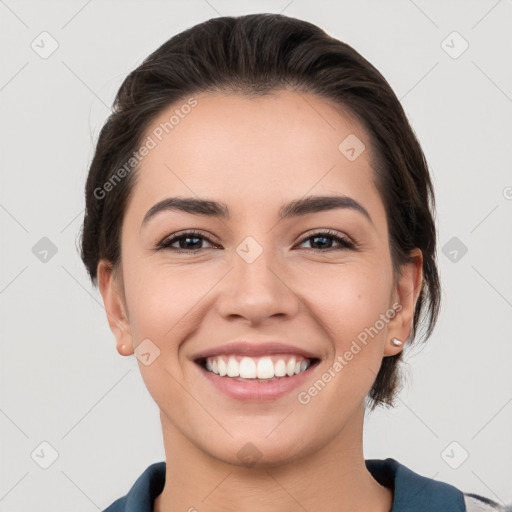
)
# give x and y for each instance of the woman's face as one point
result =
(260, 275)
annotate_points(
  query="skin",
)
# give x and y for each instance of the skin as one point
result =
(255, 154)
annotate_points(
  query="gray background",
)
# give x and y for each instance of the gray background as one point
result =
(62, 381)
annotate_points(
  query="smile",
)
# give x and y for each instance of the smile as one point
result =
(256, 378)
(261, 368)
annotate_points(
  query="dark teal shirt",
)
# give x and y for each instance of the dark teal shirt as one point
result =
(412, 492)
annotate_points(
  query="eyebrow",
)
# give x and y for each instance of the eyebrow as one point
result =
(296, 208)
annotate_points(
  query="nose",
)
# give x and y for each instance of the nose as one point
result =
(257, 290)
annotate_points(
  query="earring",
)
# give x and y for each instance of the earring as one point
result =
(396, 342)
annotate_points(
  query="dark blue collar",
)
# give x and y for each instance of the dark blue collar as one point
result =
(412, 492)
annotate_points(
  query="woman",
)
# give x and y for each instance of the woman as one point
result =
(259, 221)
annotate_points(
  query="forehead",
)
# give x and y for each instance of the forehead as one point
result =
(252, 150)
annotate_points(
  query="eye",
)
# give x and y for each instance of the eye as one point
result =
(188, 241)
(192, 241)
(324, 241)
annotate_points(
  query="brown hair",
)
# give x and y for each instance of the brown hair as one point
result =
(257, 54)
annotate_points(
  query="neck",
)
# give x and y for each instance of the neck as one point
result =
(332, 479)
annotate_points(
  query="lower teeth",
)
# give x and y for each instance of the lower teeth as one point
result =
(242, 379)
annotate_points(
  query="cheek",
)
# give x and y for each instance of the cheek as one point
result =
(162, 299)
(166, 301)
(349, 308)
(165, 307)
(348, 299)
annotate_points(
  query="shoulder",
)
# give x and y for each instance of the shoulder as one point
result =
(141, 496)
(118, 506)
(476, 503)
(414, 492)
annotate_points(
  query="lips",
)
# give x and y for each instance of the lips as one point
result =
(247, 370)
(258, 389)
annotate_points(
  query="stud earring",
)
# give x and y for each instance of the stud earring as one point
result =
(396, 342)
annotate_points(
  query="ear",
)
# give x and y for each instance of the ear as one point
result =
(111, 289)
(405, 295)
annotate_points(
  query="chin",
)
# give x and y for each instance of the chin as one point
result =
(257, 451)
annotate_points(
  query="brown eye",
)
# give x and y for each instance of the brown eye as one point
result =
(323, 240)
(190, 241)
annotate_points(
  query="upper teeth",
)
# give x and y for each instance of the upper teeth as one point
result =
(266, 367)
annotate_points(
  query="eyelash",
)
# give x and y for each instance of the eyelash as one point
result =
(166, 244)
